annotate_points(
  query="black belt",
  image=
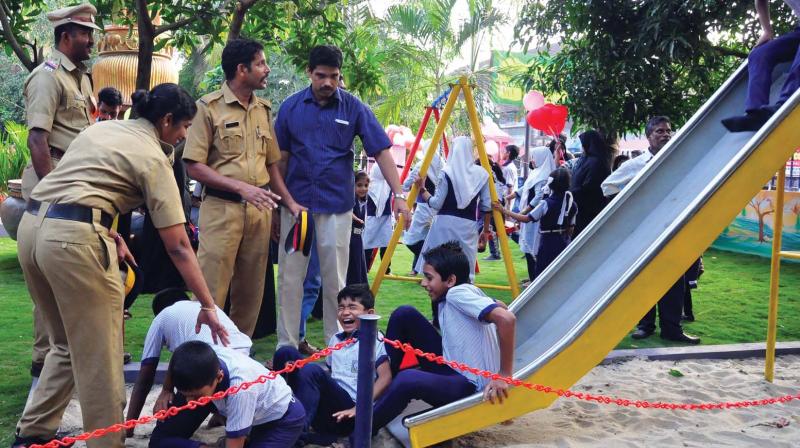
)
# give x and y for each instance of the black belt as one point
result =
(553, 231)
(70, 212)
(227, 195)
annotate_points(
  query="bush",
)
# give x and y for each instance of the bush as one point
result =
(14, 153)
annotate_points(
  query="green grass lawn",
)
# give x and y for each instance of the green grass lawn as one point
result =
(730, 307)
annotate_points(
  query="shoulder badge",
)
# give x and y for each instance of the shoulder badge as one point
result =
(51, 66)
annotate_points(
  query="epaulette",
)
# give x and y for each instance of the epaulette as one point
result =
(209, 97)
(267, 103)
(51, 65)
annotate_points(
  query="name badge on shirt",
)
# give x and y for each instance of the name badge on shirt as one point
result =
(231, 124)
(340, 121)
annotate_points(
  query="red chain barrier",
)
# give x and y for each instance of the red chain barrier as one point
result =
(290, 367)
(590, 397)
(202, 401)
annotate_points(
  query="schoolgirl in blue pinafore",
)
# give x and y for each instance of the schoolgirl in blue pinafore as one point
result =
(556, 215)
(461, 193)
(357, 264)
(378, 223)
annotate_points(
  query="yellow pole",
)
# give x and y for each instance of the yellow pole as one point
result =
(499, 222)
(774, 277)
(412, 195)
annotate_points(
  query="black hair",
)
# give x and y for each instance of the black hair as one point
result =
(513, 152)
(449, 259)
(70, 28)
(110, 96)
(239, 51)
(329, 55)
(167, 297)
(164, 99)
(193, 365)
(552, 145)
(595, 145)
(361, 174)
(619, 160)
(359, 292)
(653, 122)
(561, 178)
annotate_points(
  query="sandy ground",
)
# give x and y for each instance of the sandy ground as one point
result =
(573, 423)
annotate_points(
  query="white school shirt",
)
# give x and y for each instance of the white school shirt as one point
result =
(344, 362)
(175, 325)
(466, 335)
(260, 403)
(510, 173)
(619, 179)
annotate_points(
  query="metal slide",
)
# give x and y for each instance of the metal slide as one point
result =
(617, 269)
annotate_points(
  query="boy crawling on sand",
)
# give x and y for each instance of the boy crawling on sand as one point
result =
(266, 415)
(475, 330)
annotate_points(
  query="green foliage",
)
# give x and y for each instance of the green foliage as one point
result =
(12, 106)
(14, 153)
(618, 62)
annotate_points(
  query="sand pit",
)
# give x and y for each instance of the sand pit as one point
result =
(572, 423)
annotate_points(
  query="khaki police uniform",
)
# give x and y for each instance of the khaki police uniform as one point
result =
(71, 268)
(58, 97)
(237, 142)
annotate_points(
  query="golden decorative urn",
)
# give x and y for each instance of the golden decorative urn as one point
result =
(118, 59)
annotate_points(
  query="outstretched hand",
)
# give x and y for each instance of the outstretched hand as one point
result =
(218, 333)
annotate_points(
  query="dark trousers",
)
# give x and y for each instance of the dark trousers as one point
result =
(692, 275)
(369, 256)
(176, 431)
(415, 249)
(531, 264)
(762, 61)
(432, 383)
(669, 311)
(320, 395)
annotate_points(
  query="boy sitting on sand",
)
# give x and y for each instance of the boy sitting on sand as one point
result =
(475, 330)
(330, 399)
(266, 415)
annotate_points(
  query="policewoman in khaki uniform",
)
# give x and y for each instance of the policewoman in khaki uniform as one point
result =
(70, 258)
(231, 150)
(57, 107)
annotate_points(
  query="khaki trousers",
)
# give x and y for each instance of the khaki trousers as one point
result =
(234, 245)
(332, 234)
(41, 340)
(73, 278)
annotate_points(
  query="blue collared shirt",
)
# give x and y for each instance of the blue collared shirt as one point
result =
(319, 141)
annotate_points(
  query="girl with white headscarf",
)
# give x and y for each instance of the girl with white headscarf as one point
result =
(461, 193)
(422, 218)
(378, 224)
(531, 194)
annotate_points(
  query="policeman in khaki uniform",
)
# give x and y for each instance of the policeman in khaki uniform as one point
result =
(57, 107)
(231, 150)
(69, 257)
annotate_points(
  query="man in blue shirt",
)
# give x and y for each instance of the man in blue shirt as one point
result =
(315, 130)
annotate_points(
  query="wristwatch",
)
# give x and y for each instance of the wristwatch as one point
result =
(400, 196)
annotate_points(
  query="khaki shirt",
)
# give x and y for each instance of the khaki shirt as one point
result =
(233, 140)
(121, 165)
(58, 99)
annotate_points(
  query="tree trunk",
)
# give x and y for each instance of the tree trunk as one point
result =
(761, 238)
(146, 45)
(238, 18)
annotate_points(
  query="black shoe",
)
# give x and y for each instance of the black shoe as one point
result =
(749, 122)
(687, 318)
(641, 334)
(682, 337)
(21, 442)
